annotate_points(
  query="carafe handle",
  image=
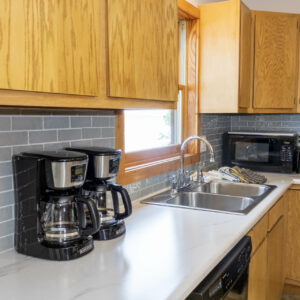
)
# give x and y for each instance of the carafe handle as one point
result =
(115, 189)
(92, 208)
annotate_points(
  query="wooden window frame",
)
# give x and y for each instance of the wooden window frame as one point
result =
(136, 166)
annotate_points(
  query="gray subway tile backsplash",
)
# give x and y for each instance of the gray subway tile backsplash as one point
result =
(51, 129)
(5, 183)
(57, 122)
(100, 122)
(10, 138)
(5, 123)
(5, 153)
(35, 130)
(213, 126)
(6, 213)
(81, 121)
(108, 132)
(70, 134)
(7, 227)
(6, 242)
(27, 123)
(267, 122)
(91, 133)
(43, 136)
(5, 168)
(6, 198)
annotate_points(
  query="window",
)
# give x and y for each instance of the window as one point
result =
(156, 129)
(151, 138)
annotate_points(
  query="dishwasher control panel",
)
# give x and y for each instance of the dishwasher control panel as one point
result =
(225, 275)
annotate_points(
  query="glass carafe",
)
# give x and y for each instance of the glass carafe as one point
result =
(108, 209)
(63, 218)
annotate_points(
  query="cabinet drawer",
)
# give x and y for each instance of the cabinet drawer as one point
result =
(275, 213)
(258, 233)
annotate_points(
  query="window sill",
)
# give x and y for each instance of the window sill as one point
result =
(142, 171)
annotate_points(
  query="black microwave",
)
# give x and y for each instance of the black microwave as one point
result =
(261, 151)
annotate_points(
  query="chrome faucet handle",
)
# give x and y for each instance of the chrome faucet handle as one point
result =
(174, 182)
(187, 178)
(200, 177)
(180, 177)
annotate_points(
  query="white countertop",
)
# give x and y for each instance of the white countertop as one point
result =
(165, 253)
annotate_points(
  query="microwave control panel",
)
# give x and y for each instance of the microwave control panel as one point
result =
(287, 152)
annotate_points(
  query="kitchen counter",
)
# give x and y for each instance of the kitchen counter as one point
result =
(165, 254)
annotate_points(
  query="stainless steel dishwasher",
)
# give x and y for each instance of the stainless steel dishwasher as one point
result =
(229, 279)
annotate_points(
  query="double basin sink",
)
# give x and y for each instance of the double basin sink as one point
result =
(218, 195)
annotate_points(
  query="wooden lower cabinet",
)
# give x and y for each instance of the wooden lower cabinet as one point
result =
(266, 270)
(275, 264)
(258, 284)
(292, 259)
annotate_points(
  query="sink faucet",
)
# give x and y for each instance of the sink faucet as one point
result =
(181, 180)
(184, 144)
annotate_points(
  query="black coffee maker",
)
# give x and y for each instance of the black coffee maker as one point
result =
(104, 165)
(50, 220)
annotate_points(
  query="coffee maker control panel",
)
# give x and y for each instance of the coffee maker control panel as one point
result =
(78, 172)
(114, 164)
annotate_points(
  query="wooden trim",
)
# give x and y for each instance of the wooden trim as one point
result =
(294, 187)
(120, 141)
(192, 119)
(187, 11)
(292, 284)
(141, 172)
(149, 155)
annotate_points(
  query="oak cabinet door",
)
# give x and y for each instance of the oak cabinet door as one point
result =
(143, 49)
(275, 60)
(275, 261)
(49, 46)
(246, 57)
(292, 249)
(225, 57)
(258, 283)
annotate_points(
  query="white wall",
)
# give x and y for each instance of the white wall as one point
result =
(290, 6)
(194, 2)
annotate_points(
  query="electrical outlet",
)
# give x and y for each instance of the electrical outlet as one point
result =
(202, 145)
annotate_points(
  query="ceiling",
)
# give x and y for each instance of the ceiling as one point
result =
(291, 6)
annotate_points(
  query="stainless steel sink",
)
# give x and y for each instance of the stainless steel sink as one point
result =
(219, 196)
(231, 188)
(212, 202)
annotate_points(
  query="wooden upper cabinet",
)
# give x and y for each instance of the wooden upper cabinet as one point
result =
(49, 46)
(225, 57)
(143, 49)
(246, 58)
(275, 64)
